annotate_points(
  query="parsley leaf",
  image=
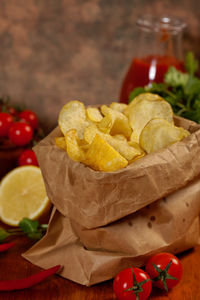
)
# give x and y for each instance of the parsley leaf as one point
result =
(175, 78)
(192, 86)
(31, 228)
(191, 64)
(3, 234)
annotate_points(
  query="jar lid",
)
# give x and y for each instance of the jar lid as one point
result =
(159, 23)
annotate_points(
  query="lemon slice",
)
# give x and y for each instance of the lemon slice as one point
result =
(22, 194)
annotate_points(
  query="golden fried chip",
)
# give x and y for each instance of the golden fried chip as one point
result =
(120, 137)
(137, 157)
(73, 149)
(84, 147)
(139, 98)
(159, 133)
(105, 109)
(136, 146)
(94, 114)
(144, 110)
(114, 122)
(118, 106)
(90, 133)
(60, 142)
(146, 96)
(121, 146)
(106, 124)
(102, 157)
(127, 151)
(73, 116)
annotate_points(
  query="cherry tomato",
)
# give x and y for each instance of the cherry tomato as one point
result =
(20, 133)
(165, 270)
(12, 111)
(30, 117)
(27, 157)
(132, 284)
(6, 122)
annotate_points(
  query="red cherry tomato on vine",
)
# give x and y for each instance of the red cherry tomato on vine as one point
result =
(27, 157)
(132, 284)
(30, 117)
(6, 122)
(165, 270)
(20, 133)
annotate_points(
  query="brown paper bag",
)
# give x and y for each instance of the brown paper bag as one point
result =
(95, 199)
(85, 199)
(90, 256)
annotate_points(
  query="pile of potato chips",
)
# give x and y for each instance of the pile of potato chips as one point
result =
(111, 137)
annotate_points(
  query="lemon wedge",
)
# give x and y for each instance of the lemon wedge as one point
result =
(22, 194)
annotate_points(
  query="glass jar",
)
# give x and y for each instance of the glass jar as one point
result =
(158, 47)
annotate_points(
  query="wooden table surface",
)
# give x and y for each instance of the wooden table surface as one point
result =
(13, 266)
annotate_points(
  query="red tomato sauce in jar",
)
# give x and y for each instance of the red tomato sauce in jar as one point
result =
(146, 70)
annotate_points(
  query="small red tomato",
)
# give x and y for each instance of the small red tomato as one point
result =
(12, 111)
(27, 157)
(30, 117)
(132, 284)
(6, 122)
(165, 270)
(20, 133)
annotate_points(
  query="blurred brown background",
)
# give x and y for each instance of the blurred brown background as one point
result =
(52, 51)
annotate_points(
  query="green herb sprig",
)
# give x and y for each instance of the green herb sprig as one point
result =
(181, 90)
(32, 229)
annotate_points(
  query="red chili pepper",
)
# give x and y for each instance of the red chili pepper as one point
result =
(6, 246)
(24, 283)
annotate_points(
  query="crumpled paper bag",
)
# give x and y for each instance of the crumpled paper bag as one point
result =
(96, 198)
(152, 205)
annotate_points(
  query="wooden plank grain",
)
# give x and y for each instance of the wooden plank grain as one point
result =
(13, 266)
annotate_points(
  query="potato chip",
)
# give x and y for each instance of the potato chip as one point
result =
(102, 157)
(120, 137)
(159, 133)
(118, 106)
(105, 109)
(136, 146)
(144, 110)
(114, 122)
(106, 123)
(121, 146)
(73, 116)
(90, 133)
(73, 149)
(84, 147)
(94, 114)
(139, 98)
(60, 142)
(137, 157)
(146, 96)
(119, 134)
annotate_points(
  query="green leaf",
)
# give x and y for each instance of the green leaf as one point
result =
(191, 64)
(157, 88)
(136, 92)
(35, 235)
(3, 234)
(32, 228)
(175, 78)
(28, 226)
(192, 86)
